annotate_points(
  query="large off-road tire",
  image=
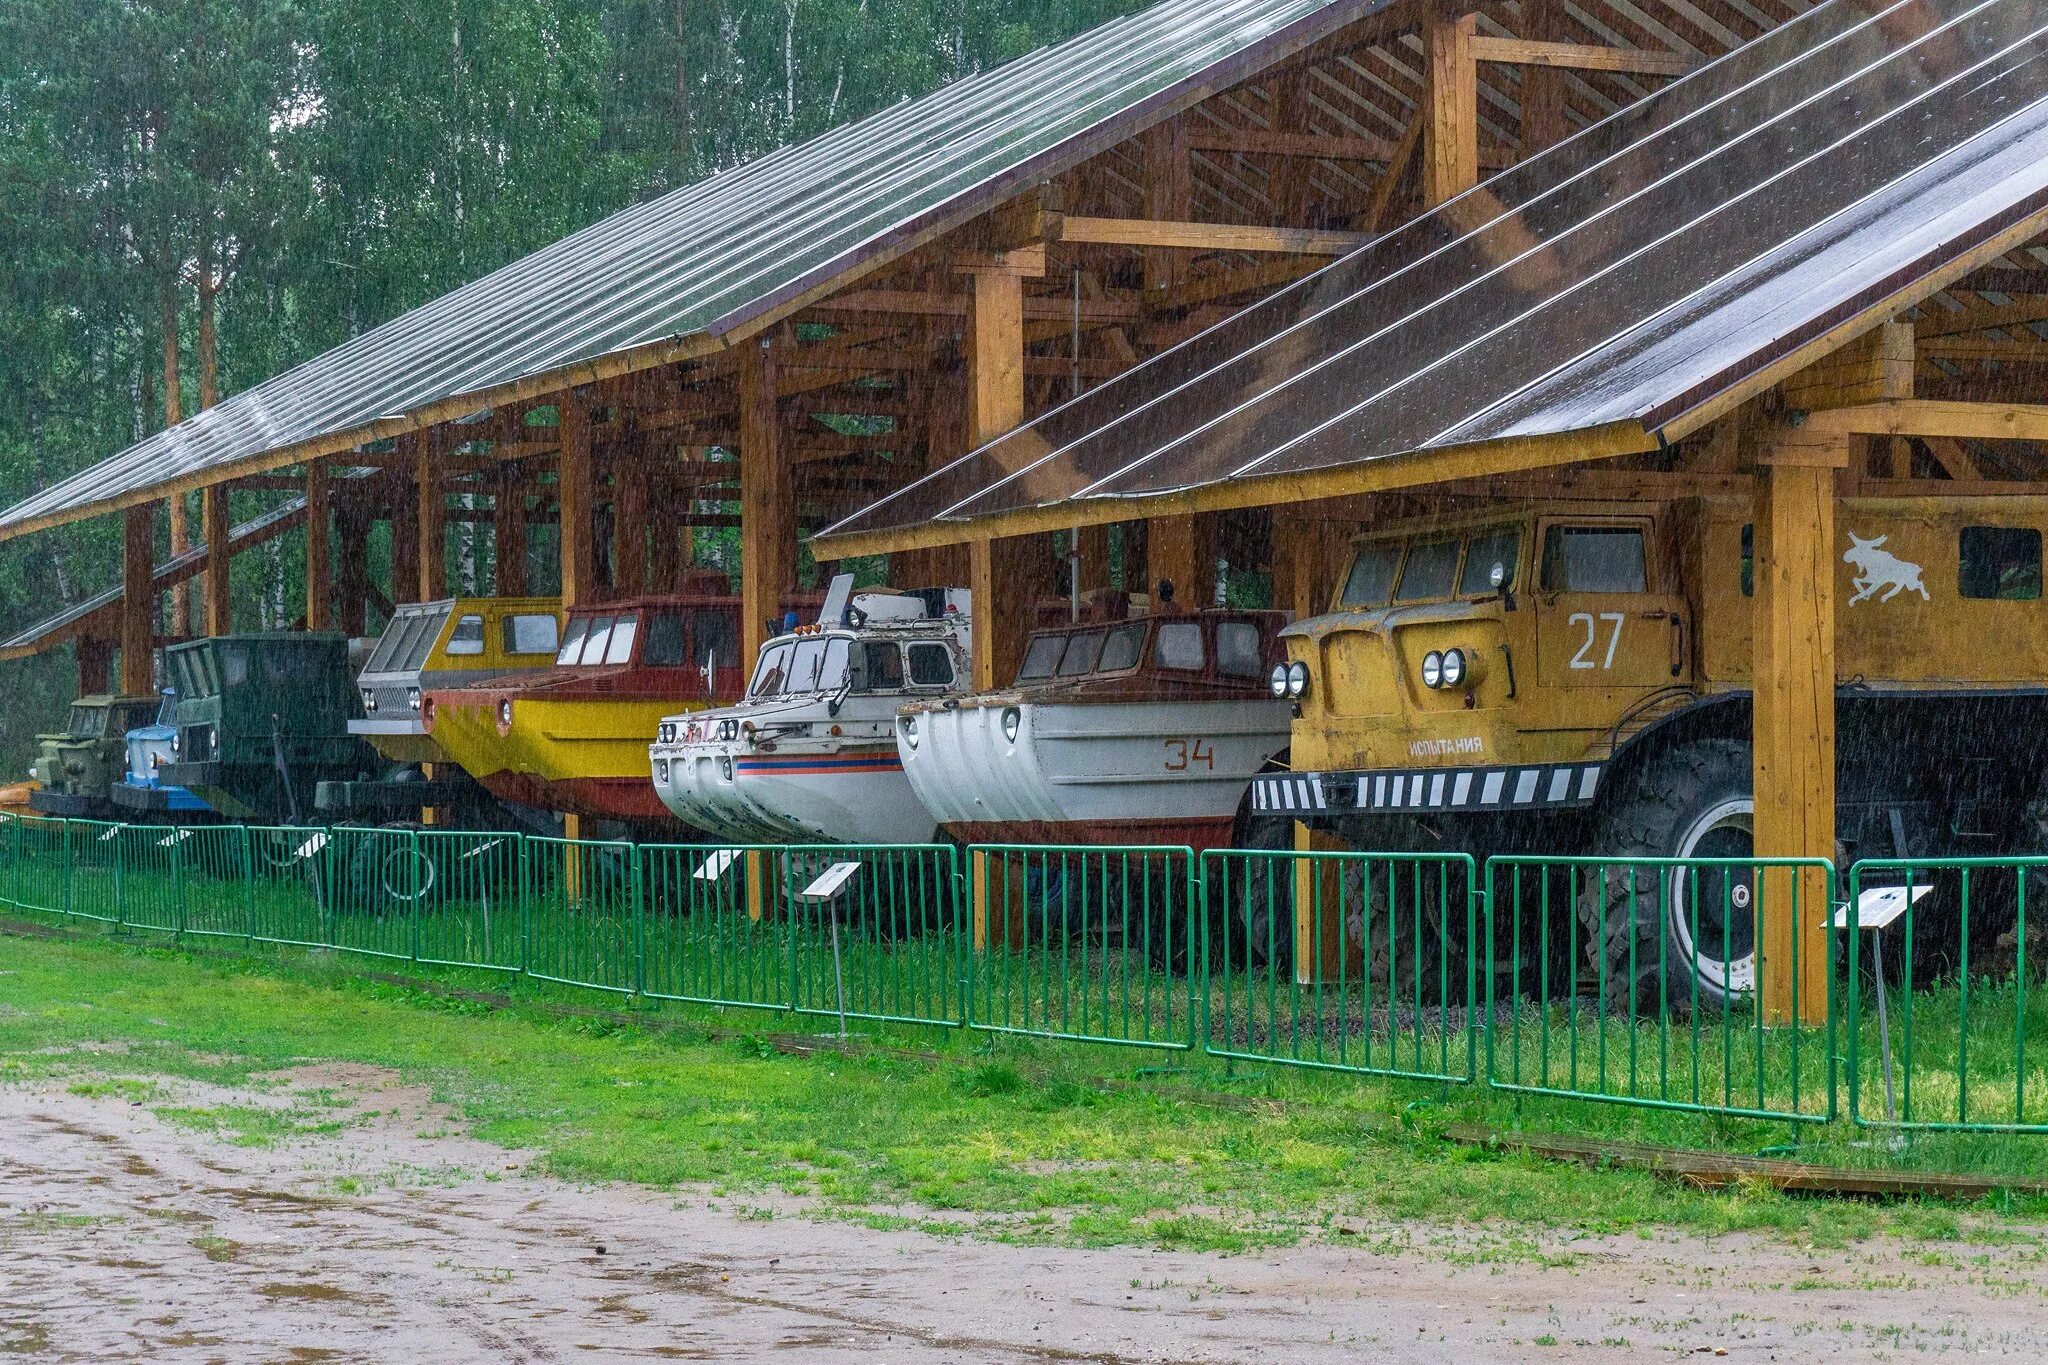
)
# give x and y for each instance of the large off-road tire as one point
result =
(1658, 942)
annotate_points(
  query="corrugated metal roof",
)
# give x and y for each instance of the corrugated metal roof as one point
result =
(1629, 275)
(710, 257)
(55, 630)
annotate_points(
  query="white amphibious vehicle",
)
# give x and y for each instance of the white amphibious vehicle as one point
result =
(810, 753)
(1140, 731)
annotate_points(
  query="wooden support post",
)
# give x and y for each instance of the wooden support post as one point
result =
(1182, 551)
(1091, 545)
(433, 520)
(181, 541)
(508, 528)
(95, 665)
(352, 578)
(1542, 87)
(213, 521)
(319, 550)
(999, 572)
(138, 599)
(1169, 190)
(767, 500)
(575, 486)
(666, 552)
(405, 544)
(1287, 177)
(629, 527)
(1319, 908)
(1793, 680)
(1451, 144)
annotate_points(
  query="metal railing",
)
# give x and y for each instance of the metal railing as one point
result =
(1609, 980)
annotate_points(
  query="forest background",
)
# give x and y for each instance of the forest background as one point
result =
(197, 194)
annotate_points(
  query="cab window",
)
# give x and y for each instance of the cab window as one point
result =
(593, 643)
(1488, 549)
(1594, 559)
(234, 665)
(714, 636)
(1429, 572)
(1372, 576)
(620, 650)
(467, 637)
(931, 665)
(572, 643)
(770, 673)
(1999, 563)
(1237, 650)
(1122, 649)
(881, 665)
(1042, 656)
(1180, 646)
(422, 631)
(664, 647)
(535, 633)
(1082, 652)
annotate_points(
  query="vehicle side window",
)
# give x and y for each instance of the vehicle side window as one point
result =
(594, 643)
(1372, 576)
(771, 672)
(467, 637)
(1041, 656)
(2000, 563)
(572, 643)
(620, 650)
(931, 665)
(1488, 549)
(664, 647)
(234, 665)
(419, 642)
(713, 636)
(1179, 646)
(882, 663)
(1429, 573)
(1237, 650)
(531, 634)
(1594, 559)
(1082, 652)
(1122, 650)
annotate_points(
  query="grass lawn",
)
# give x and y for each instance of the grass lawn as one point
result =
(1003, 1138)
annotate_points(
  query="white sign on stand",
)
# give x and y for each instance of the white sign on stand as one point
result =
(713, 867)
(1878, 906)
(827, 883)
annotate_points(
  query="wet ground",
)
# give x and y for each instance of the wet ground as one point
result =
(367, 1227)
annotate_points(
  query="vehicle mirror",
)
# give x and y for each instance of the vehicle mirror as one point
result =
(1498, 577)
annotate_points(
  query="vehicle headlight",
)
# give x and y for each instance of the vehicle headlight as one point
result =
(175, 744)
(1013, 719)
(412, 698)
(664, 733)
(1297, 680)
(1454, 668)
(910, 731)
(1277, 681)
(1433, 669)
(369, 699)
(661, 771)
(505, 712)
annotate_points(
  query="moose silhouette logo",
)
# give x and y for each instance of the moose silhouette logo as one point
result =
(1879, 569)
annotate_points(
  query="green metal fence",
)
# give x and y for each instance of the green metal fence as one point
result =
(1344, 961)
(1946, 1018)
(1569, 978)
(1086, 943)
(1634, 981)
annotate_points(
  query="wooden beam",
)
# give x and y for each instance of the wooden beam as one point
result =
(352, 579)
(998, 571)
(2003, 280)
(1793, 684)
(213, 523)
(319, 550)
(1874, 367)
(432, 521)
(1541, 92)
(2012, 317)
(1169, 194)
(1933, 417)
(1210, 236)
(575, 487)
(955, 305)
(1580, 56)
(1451, 148)
(1313, 146)
(767, 499)
(1181, 551)
(138, 600)
(508, 530)
(629, 527)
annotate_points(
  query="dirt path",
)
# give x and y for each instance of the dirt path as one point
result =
(127, 1236)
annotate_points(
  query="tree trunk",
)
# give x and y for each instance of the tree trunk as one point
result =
(209, 370)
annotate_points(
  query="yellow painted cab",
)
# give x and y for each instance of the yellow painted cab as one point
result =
(452, 643)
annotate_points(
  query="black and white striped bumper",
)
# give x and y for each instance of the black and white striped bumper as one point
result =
(1542, 786)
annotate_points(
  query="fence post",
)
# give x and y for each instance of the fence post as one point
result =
(120, 883)
(248, 866)
(176, 834)
(525, 908)
(417, 891)
(639, 885)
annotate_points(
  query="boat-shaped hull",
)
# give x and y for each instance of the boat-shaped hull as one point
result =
(852, 794)
(582, 755)
(1090, 772)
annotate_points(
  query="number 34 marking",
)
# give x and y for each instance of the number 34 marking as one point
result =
(1184, 753)
(1583, 659)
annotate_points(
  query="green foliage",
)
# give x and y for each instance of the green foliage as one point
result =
(323, 165)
